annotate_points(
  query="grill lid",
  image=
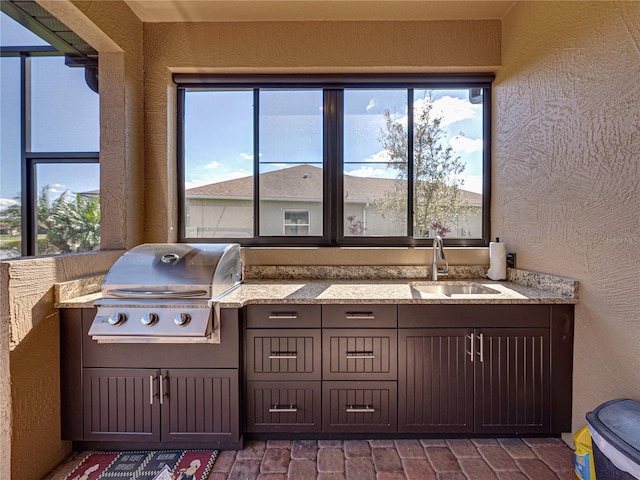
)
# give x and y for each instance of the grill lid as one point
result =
(174, 270)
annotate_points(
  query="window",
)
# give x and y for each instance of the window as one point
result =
(359, 160)
(49, 188)
(296, 222)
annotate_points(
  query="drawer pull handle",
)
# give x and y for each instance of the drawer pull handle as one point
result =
(360, 316)
(283, 409)
(282, 355)
(360, 355)
(283, 316)
(360, 409)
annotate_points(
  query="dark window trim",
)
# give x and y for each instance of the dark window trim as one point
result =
(332, 84)
(30, 160)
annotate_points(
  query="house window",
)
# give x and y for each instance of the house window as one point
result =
(350, 160)
(49, 187)
(296, 222)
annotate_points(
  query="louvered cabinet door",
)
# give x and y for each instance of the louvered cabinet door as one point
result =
(200, 405)
(512, 380)
(435, 381)
(121, 405)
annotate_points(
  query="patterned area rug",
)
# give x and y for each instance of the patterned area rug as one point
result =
(145, 465)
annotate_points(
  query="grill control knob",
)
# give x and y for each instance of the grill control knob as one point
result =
(149, 319)
(182, 319)
(117, 318)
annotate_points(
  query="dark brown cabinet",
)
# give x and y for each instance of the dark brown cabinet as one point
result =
(179, 396)
(359, 368)
(435, 381)
(176, 405)
(512, 380)
(283, 355)
(467, 369)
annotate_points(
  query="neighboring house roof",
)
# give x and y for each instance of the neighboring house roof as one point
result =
(304, 182)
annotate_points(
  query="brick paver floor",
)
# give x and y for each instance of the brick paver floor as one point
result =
(450, 459)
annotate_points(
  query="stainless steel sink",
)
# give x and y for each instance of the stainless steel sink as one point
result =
(456, 289)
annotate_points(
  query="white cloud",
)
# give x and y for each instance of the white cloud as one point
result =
(379, 157)
(464, 144)
(372, 104)
(246, 156)
(213, 165)
(7, 202)
(449, 108)
(369, 172)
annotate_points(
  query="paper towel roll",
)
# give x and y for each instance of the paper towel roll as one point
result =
(497, 261)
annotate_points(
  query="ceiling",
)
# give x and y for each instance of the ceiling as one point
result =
(327, 10)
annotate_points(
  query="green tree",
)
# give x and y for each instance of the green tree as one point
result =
(71, 222)
(438, 199)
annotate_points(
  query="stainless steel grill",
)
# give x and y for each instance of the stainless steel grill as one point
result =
(166, 293)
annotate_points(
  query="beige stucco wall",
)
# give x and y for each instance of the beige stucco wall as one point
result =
(30, 443)
(566, 174)
(277, 47)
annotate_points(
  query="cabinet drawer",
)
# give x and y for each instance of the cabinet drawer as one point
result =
(359, 354)
(283, 407)
(272, 355)
(359, 316)
(359, 407)
(283, 316)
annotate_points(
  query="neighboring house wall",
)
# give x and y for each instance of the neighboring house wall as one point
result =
(212, 217)
(565, 174)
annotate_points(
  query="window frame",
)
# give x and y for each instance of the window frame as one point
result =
(333, 87)
(29, 160)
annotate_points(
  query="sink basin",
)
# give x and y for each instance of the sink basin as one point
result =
(456, 289)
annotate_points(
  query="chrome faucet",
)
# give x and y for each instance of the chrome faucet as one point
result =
(438, 254)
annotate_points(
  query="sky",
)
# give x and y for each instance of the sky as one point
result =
(65, 116)
(219, 146)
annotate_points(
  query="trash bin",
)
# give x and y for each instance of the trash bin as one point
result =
(583, 456)
(615, 432)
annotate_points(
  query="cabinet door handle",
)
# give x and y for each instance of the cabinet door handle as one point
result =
(360, 409)
(281, 355)
(360, 316)
(472, 353)
(151, 394)
(283, 316)
(360, 355)
(481, 339)
(283, 409)
(161, 389)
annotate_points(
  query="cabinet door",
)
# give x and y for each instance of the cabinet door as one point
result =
(200, 405)
(512, 381)
(435, 381)
(121, 405)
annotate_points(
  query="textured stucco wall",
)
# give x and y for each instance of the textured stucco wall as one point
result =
(292, 47)
(566, 174)
(30, 443)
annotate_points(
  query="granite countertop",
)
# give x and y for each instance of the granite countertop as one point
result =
(384, 291)
(521, 287)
